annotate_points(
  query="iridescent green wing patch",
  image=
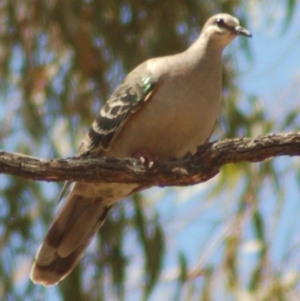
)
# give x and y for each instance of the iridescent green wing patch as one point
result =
(125, 101)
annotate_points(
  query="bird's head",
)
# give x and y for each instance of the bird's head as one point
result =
(223, 28)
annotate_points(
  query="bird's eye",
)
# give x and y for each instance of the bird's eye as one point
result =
(220, 22)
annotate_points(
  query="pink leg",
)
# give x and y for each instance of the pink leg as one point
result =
(145, 158)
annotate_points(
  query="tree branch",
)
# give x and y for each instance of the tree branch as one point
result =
(198, 168)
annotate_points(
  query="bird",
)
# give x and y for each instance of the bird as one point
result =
(164, 108)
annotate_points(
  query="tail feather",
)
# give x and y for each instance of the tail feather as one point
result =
(71, 232)
(57, 269)
(82, 224)
(81, 216)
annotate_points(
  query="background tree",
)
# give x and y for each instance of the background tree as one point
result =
(59, 61)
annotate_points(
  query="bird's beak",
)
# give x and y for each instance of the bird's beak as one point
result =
(240, 31)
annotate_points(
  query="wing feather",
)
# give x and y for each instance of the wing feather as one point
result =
(127, 99)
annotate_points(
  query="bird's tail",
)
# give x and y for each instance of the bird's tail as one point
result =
(83, 213)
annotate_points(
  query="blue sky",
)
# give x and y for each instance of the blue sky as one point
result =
(195, 223)
(276, 63)
(192, 219)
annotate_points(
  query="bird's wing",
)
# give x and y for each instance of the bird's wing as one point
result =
(128, 98)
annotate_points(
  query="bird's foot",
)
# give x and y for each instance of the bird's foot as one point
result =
(145, 158)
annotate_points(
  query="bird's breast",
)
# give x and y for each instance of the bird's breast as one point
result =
(176, 119)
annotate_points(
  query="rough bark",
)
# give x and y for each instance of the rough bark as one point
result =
(198, 168)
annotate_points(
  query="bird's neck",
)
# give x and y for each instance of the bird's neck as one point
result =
(206, 55)
(205, 59)
(204, 47)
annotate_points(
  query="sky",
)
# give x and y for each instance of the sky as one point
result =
(191, 218)
(196, 222)
(272, 75)
(275, 67)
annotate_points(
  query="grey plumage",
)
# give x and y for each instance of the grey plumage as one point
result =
(126, 100)
(165, 107)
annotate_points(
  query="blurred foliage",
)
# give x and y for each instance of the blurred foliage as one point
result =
(59, 61)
